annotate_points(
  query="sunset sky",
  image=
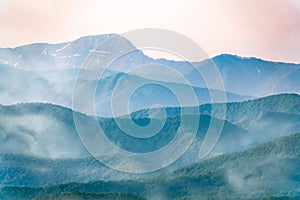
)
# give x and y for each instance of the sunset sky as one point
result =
(269, 29)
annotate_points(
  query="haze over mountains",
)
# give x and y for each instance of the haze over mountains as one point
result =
(45, 136)
(44, 87)
(47, 73)
(268, 171)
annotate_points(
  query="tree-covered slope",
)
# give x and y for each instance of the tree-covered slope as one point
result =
(40, 145)
(268, 171)
(242, 113)
(38, 140)
(264, 119)
(88, 196)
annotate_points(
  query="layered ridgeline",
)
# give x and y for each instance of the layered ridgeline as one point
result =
(269, 171)
(57, 87)
(40, 145)
(47, 73)
(264, 119)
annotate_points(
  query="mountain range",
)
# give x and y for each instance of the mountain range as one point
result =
(45, 136)
(48, 73)
(48, 90)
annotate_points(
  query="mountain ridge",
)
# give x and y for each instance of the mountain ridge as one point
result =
(115, 34)
(227, 176)
(246, 76)
(30, 123)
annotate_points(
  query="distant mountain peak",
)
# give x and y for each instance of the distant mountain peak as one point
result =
(226, 56)
(87, 38)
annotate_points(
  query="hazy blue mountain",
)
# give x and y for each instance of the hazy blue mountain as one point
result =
(44, 56)
(48, 72)
(48, 131)
(264, 119)
(242, 76)
(40, 145)
(269, 170)
(44, 132)
(91, 52)
(153, 92)
(257, 77)
(35, 126)
(246, 113)
(241, 112)
(56, 86)
(253, 76)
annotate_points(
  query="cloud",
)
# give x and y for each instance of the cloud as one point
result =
(260, 176)
(39, 135)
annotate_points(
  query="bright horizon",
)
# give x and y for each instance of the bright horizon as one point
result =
(267, 29)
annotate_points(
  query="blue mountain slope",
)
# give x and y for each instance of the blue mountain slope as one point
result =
(40, 140)
(255, 77)
(44, 56)
(56, 86)
(243, 76)
(264, 119)
(46, 137)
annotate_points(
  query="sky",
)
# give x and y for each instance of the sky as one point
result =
(268, 29)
